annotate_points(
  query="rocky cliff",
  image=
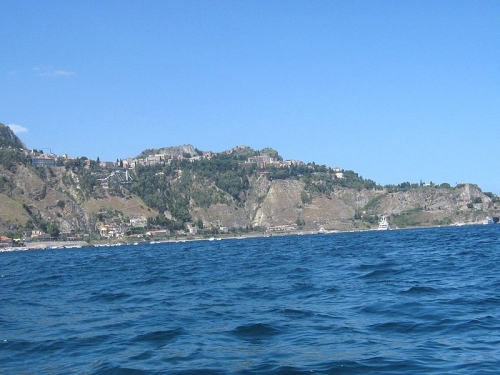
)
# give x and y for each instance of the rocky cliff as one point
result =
(27, 200)
(279, 203)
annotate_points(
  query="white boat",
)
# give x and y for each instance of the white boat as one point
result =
(383, 224)
(488, 221)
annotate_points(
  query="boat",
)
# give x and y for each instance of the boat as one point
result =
(383, 224)
(488, 221)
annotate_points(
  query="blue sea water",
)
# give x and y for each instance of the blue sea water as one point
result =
(404, 301)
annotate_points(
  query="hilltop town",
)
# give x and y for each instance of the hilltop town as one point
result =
(182, 192)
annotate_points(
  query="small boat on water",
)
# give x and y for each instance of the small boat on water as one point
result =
(488, 221)
(383, 224)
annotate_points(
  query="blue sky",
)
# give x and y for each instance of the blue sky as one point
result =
(394, 90)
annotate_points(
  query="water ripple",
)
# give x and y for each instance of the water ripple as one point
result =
(399, 302)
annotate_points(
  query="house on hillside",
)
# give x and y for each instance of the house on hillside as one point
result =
(138, 222)
(43, 162)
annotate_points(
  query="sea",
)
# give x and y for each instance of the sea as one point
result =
(412, 301)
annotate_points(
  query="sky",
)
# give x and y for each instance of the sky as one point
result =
(396, 91)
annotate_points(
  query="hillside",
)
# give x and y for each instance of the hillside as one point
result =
(239, 190)
(8, 139)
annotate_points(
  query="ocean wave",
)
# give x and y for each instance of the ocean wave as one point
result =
(413, 301)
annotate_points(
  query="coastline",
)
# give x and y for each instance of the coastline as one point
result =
(47, 245)
(43, 245)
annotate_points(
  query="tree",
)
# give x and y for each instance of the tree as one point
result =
(305, 198)
(53, 230)
(200, 224)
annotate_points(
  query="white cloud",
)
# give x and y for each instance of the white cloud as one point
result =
(63, 73)
(17, 129)
(48, 71)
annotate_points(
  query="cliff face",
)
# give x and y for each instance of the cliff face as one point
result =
(28, 198)
(280, 203)
(37, 200)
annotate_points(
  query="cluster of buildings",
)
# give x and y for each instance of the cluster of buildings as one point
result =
(38, 235)
(120, 174)
(262, 161)
(115, 230)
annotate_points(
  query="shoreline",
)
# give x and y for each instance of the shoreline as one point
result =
(54, 245)
(43, 245)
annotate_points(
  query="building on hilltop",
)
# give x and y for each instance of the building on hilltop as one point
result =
(261, 161)
(107, 164)
(208, 154)
(289, 163)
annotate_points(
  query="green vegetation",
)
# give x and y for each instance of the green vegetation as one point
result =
(88, 182)
(494, 198)
(445, 221)
(180, 185)
(407, 219)
(10, 158)
(320, 179)
(305, 197)
(374, 203)
(36, 221)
